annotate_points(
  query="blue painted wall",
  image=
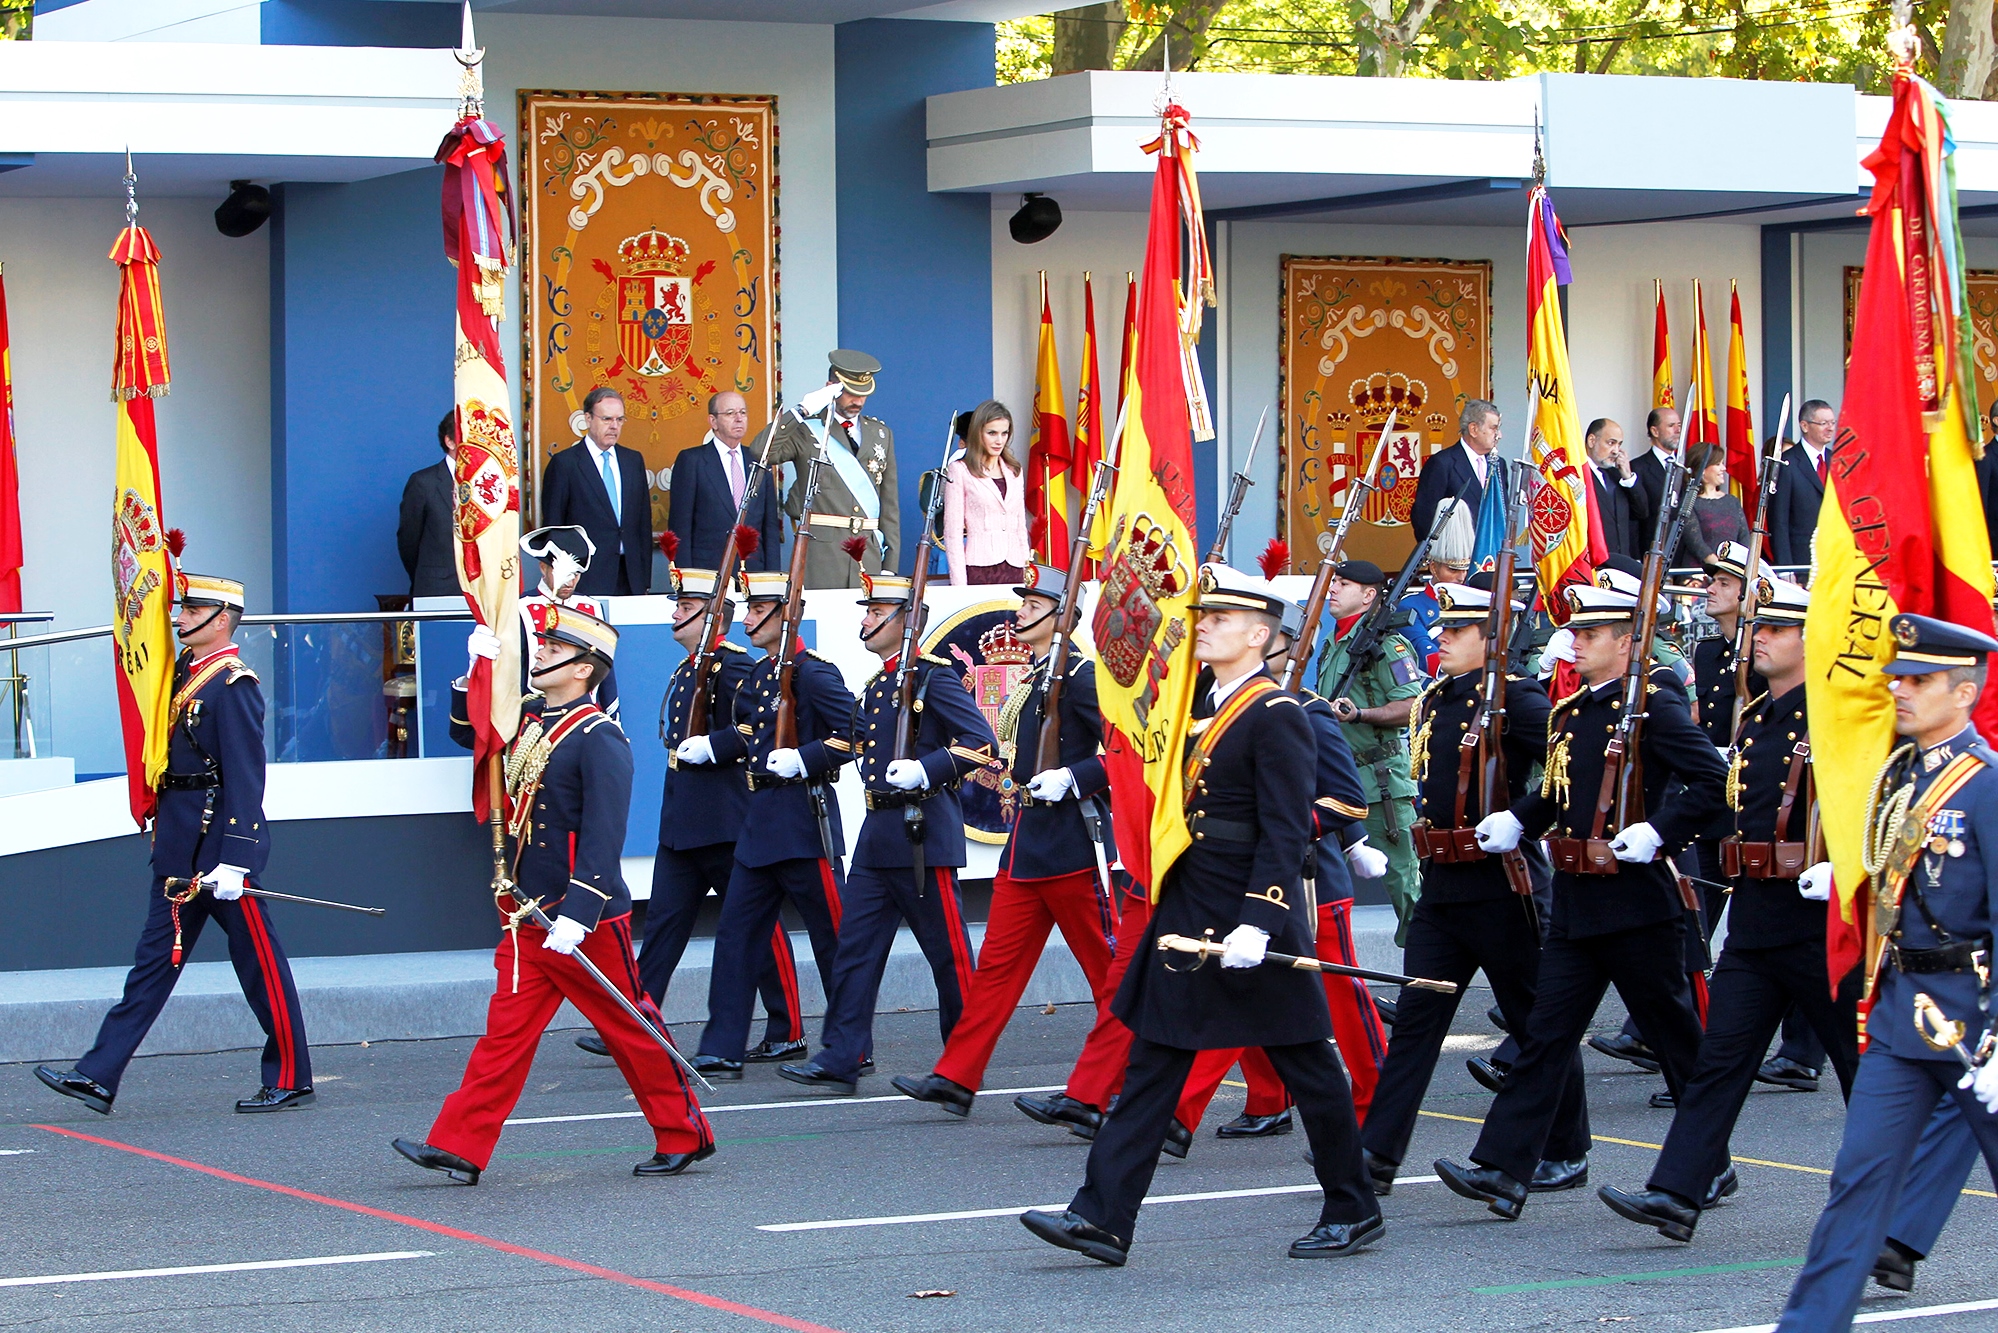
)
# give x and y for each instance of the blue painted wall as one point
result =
(361, 334)
(1776, 345)
(358, 23)
(915, 268)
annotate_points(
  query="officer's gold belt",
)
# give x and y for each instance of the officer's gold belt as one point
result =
(850, 522)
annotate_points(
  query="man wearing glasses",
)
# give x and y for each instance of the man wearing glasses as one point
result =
(1800, 487)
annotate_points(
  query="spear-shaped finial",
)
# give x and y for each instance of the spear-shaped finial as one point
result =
(471, 87)
(131, 190)
(1539, 153)
(1902, 39)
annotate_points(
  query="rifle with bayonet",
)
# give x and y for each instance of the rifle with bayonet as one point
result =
(1238, 491)
(1385, 615)
(786, 730)
(1357, 492)
(1483, 743)
(906, 720)
(1624, 760)
(1744, 628)
(700, 707)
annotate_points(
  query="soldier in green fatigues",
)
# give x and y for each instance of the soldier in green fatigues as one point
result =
(1373, 711)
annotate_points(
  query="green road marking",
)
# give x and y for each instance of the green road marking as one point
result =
(606, 1152)
(1613, 1279)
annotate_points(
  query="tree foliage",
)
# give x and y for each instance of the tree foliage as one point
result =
(17, 20)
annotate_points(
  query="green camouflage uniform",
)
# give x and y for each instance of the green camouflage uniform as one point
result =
(1382, 756)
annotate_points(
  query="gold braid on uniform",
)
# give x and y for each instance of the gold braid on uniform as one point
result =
(1734, 767)
(1883, 821)
(1420, 723)
(1554, 775)
(1008, 728)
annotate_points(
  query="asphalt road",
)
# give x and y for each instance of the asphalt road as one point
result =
(560, 1236)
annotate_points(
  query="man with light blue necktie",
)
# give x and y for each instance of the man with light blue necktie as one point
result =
(602, 487)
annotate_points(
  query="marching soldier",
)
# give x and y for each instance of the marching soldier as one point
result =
(794, 843)
(569, 797)
(1935, 798)
(1470, 915)
(1054, 869)
(1936, 1180)
(1618, 917)
(858, 494)
(1775, 954)
(209, 833)
(1250, 814)
(1374, 711)
(563, 555)
(700, 813)
(893, 879)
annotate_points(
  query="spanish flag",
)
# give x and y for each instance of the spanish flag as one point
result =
(1901, 527)
(11, 555)
(1088, 448)
(1740, 420)
(1661, 353)
(1568, 541)
(1701, 422)
(1048, 456)
(1143, 625)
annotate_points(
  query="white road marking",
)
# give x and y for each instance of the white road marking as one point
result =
(16, 1152)
(1884, 1316)
(215, 1268)
(970, 1214)
(763, 1106)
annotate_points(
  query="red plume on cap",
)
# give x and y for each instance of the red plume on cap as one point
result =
(669, 543)
(855, 546)
(1275, 558)
(176, 542)
(747, 539)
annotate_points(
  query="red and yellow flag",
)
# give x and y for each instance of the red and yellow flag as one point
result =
(1661, 353)
(1129, 346)
(1567, 530)
(1901, 527)
(1088, 448)
(1701, 421)
(141, 565)
(12, 556)
(1740, 422)
(478, 240)
(1143, 626)
(1048, 457)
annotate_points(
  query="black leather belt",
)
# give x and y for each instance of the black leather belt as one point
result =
(895, 800)
(190, 781)
(1962, 956)
(768, 781)
(1206, 828)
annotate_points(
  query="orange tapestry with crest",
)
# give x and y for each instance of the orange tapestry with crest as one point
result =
(1361, 338)
(649, 235)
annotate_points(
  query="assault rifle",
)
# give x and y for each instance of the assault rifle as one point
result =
(1357, 491)
(1385, 614)
(1238, 490)
(906, 720)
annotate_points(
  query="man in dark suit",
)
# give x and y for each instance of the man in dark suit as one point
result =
(1444, 475)
(1621, 497)
(708, 484)
(423, 535)
(599, 486)
(1800, 486)
(1662, 429)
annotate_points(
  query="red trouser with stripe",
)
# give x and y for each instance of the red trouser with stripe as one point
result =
(1016, 930)
(1356, 1026)
(1099, 1070)
(533, 982)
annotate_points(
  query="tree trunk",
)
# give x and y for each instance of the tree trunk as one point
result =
(1184, 35)
(1087, 37)
(1384, 39)
(1967, 48)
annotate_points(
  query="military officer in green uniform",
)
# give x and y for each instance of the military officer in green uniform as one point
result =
(857, 493)
(1373, 708)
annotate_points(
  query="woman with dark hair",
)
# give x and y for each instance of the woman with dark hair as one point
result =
(985, 504)
(1716, 516)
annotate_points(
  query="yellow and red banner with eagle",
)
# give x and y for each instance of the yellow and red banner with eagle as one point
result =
(1567, 539)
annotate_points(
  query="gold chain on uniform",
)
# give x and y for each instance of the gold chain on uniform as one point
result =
(1883, 821)
(1420, 725)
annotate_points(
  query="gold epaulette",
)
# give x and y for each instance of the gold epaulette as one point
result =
(733, 647)
(1573, 698)
(932, 657)
(1751, 704)
(1281, 698)
(238, 669)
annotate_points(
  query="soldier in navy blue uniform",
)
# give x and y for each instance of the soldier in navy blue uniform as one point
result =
(700, 813)
(1775, 954)
(210, 827)
(1618, 917)
(889, 882)
(1469, 915)
(568, 800)
(1239, 885)
(562, 555)
(1054, 869)
(788, 854)
(1934, 903)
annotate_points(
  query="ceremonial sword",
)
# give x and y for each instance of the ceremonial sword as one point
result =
(182, 885)
(1210, 948)
(1939, 1032)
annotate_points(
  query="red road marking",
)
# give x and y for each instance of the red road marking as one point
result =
(438, 1228)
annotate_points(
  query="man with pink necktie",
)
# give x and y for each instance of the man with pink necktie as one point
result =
(708, 485)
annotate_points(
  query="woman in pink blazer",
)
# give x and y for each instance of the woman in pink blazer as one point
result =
(985, 504)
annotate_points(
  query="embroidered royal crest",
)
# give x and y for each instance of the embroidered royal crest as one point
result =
(1129, 622)
(135, 532)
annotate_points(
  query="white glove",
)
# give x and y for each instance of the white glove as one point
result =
(1984, 1082)
(908, 775)
(1244, 947)
(1051, 785)
(1366, 862)
(228, 883)
(786, 763)
(1637, 844)
(695, 750)
(564, 935)
(482, 643)
(1815, 884)
(1500, 832)
(815, 402)
(1560, 648)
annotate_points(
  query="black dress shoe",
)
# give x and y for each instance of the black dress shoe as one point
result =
(1496, 1017)
(1177, 1140)
(1380, 1171)
(1486, 1184)
(1060, 1109)
(767, 1051)
(1725, 1184)
(1552, 1177)
(953, 1097)
(866, 1065)
(672, 1163)
(1246, 1126)
(1490, 1074)
(592, 1043)
(1330, 1240)
(1387, 1009)
(1671, 1216)
(1073, 1232)
(72, 1084)
(1629, 1049)
(274, 1099)
(1895, 1268)
(436, 1159)
(814, 1075)
(716, 1066)
(1783, 1073)
(1664, 1101)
